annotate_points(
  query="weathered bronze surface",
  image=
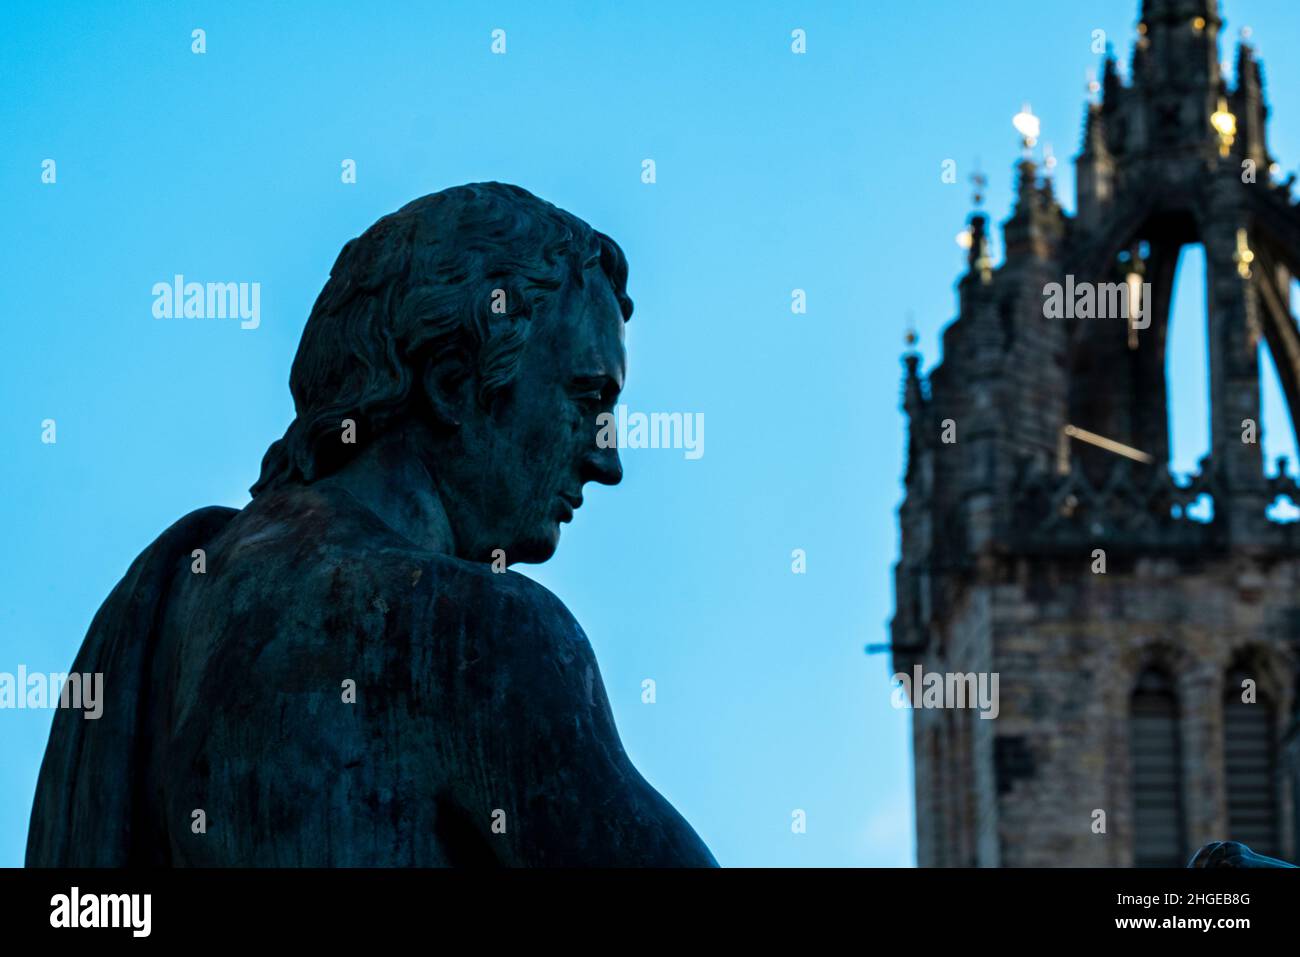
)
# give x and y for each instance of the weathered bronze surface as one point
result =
(353, 677)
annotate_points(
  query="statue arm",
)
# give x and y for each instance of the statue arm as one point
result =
(551, 784)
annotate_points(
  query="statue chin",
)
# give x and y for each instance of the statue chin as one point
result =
(536, 549)
(1232, 854)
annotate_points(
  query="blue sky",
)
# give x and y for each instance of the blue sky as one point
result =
(774, 172)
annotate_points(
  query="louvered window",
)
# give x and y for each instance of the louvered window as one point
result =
(1155, 752)
(1250, 768)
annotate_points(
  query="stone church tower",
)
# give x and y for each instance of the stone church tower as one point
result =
(1145, 633)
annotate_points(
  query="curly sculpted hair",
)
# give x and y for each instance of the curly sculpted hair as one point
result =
(419, 284)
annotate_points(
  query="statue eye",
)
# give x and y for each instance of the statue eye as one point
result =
(594, 392)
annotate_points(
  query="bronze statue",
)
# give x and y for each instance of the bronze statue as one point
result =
(344, 672)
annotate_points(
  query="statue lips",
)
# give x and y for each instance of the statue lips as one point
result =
(571, 504)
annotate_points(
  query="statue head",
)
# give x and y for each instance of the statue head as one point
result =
(484, 327)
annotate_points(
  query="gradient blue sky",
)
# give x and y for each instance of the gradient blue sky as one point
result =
(775, 171)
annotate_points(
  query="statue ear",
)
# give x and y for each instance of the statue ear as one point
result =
(448, 387)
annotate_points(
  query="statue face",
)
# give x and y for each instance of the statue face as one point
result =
(518, 468)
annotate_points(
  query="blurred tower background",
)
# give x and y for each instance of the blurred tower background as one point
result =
(1043, 536)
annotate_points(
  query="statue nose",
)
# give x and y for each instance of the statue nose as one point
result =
(603, 466)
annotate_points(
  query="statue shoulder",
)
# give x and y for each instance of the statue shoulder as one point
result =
(409, 597)
(325, 561)
(308, 578)
(504, 629)
(496, 603)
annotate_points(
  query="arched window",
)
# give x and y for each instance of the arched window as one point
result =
(1155, 754)
(1250, 764)
(1187, 365)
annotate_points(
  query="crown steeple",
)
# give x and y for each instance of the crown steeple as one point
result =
(1039, 451)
